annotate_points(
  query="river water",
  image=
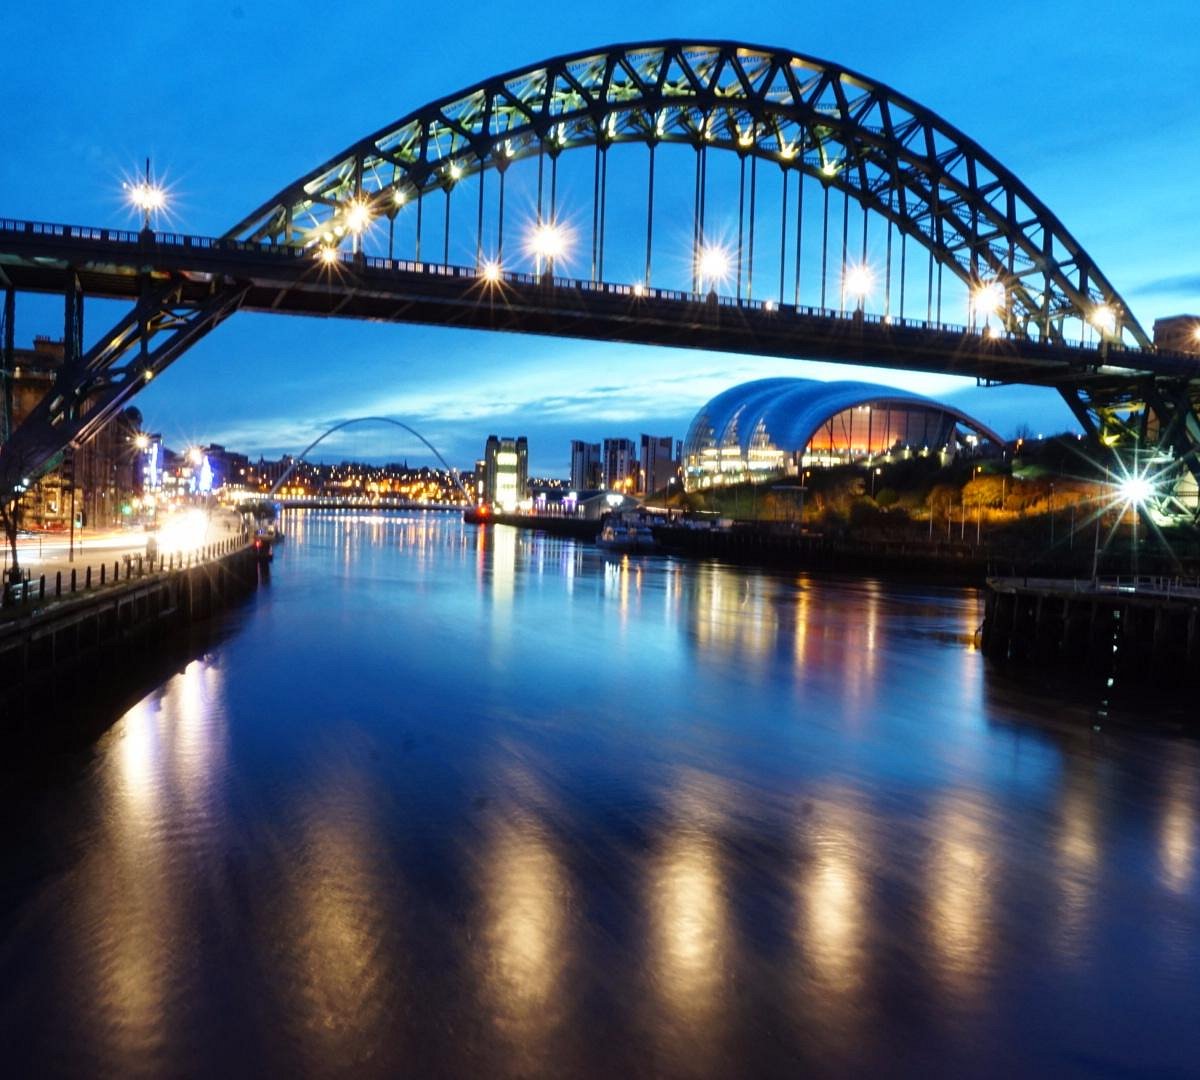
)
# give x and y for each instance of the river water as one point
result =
(449, 801)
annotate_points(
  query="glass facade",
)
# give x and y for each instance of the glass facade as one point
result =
(763, 430)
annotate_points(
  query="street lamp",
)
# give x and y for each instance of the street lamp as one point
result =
(146, 196)
(987, 299)
(547, 242)
(712, 265)
(858, 281)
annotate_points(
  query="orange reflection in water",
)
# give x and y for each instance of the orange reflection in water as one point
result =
(1077, 854)
(831, 897)
(339, 963)
(960, 893)
(1177, 830)
(526, 896)
(690, 917)
(132, 923)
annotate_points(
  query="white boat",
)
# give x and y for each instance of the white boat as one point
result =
(626, 536)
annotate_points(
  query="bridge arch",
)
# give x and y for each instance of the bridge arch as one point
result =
(369, 420)
(897, 159)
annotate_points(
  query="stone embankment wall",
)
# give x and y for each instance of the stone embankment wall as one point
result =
(45, 631)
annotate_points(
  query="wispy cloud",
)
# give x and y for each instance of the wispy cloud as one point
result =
(1176, 285)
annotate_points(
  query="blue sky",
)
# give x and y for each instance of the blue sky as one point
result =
(1093, 105)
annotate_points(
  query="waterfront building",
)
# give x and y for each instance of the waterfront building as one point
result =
(587, 471)
(658, 463)
(98, 482)
(620, 465)
(771, 428)
(1179, 333)
(505, 471)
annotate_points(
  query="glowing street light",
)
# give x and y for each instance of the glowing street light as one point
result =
(490, 271)
(712, 265)
(358, 216)
(141, 440)
(328, 255)
(548, 242)
(1136, 489)
(1104, 319)
(195, 455)
(858, 281)
(987, 299)
(146, 196)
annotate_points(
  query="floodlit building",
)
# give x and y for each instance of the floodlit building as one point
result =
(587, 472)
(620, 465)
(505, 471)
(770, 428)
(100, 480)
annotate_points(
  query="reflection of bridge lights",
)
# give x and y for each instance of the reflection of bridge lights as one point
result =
(358, 215)
(327, 255)
(987, 299)
(490, 271)
(639, 289)
(1104, 319)
(712, 265)
(859, 280)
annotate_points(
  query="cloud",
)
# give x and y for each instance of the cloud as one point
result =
(1177, 285)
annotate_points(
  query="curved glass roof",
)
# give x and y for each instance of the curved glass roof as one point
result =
(790, 411)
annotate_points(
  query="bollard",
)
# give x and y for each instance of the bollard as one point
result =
(72, 579)
(87, 578)
(42, 588)
(58, 583)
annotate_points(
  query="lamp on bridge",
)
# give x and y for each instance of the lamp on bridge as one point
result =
(987, 299)
(858, 281)
(146, 196)
(712, 266)
(358, 219)
(548, 242)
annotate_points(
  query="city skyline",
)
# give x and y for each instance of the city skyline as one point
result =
(266, 385)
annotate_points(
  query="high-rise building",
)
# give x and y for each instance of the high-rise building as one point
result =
(586, 471)
(505, 471)
(620, 465)
(658, 464)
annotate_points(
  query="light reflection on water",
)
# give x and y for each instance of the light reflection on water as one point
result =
(452, 800)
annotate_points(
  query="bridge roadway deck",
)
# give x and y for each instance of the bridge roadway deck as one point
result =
(112, 263)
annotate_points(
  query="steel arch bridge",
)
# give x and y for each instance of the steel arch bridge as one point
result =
(798, 130)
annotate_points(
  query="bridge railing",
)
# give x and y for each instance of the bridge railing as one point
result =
(1182, 363)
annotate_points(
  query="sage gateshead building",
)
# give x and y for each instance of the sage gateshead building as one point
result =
(761, 431)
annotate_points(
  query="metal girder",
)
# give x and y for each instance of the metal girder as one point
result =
(891, 154)
(1154, 421)
(95, 386)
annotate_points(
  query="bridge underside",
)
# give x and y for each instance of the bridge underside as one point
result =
(182, 287)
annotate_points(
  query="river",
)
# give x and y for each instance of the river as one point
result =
(448, 801)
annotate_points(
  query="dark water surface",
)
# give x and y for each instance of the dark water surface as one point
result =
(451, 802)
